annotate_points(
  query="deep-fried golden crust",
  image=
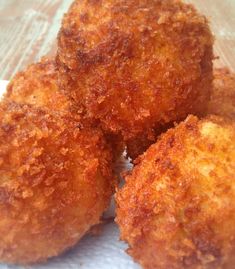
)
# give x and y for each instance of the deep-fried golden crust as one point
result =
(177, 209)
(56, 181)
(37, 86)
(222, 104)
(223, 95)
(136, 147)
(135, 65)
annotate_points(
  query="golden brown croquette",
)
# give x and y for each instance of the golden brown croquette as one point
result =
(37, 86)
(223, 94)
(135, 66)
(177, 208)
(56, 181)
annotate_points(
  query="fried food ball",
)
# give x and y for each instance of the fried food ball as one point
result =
(134, 66)
(56, 181)
(37, 86)
(177, 208)
(223, 95)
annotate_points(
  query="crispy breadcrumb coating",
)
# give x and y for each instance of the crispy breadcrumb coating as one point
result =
(222, 104)
(177, 209)
(56, 181)
(138, 146)
(223, 95)
(37, 86)
(134, 66)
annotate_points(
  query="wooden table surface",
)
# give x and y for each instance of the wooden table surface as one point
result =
(28, 30)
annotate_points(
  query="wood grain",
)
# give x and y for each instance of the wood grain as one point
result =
(28, 30)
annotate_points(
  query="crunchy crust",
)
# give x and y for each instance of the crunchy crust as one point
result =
(177, 209)
(135, 65)
(37, 86)
(136, 147)
(222, 104)
(223, 95)
(56, 181)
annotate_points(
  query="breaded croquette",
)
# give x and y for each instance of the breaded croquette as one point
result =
(177, 209)
(37, 86)
(135, 66)
(56, 181)
(223, 95)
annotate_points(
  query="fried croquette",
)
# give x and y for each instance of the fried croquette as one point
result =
(37, 86)
(56, 181)
(177, 209)
(133, 66)
(223, 95)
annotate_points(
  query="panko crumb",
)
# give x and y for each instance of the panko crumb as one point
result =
(134, 67)
(177, 208)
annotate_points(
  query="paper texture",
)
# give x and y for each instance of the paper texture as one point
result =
(104, 251)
